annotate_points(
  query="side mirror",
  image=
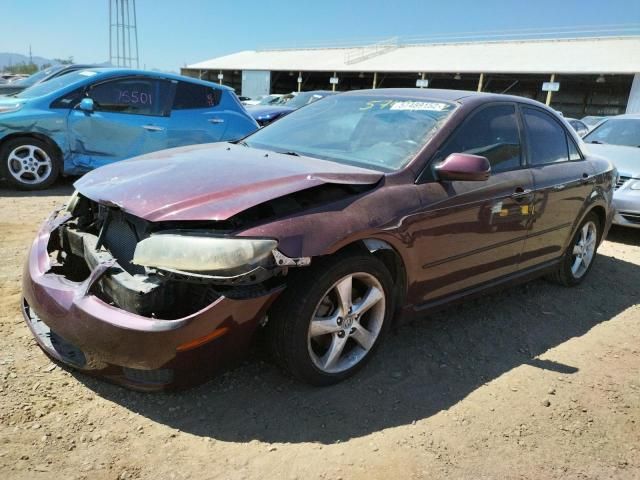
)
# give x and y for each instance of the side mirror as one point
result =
(464, 167)
(86, 105)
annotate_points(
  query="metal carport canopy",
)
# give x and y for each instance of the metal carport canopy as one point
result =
(606, 55)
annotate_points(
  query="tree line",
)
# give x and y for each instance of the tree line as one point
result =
(28, 68)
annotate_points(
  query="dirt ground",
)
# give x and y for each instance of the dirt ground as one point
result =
(536, 382)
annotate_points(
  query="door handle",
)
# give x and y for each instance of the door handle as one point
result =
(216, 120)
(586, 178)
(521, 193)
(153, 128)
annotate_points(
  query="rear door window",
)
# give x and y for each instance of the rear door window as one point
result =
(546, 138)
(191, 95)
(491, 132)
(139, 96)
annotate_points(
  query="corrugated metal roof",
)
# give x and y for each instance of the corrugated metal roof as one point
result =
(581, 55)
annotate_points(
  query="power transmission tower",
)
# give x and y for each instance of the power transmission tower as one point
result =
(122, 30)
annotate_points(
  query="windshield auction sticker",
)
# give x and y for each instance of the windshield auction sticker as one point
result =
(412, 106)
(407, 105)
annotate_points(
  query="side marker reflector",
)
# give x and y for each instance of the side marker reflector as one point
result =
(218, 332)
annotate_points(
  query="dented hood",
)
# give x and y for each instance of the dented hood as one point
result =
(210, 182)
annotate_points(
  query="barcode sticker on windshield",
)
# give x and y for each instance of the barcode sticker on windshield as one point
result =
(431, 106)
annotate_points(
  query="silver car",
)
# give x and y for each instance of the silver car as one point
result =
(579, 126)
(618, 139)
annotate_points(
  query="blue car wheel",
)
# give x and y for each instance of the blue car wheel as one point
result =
(28, 163)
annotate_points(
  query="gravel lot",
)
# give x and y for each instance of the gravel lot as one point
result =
(534, 382)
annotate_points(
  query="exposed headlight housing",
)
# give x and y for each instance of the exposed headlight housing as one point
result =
(10, 108)
(201, 253)
(73, 202)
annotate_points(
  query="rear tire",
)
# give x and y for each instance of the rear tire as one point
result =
(29, 164)
(331, 318)
(580, 254)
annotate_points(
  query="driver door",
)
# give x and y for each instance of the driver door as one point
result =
(473, 232)
(130, 118)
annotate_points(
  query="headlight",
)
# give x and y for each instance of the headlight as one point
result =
(200, 253)
(10, 108)
(635, 185)
(73, 202)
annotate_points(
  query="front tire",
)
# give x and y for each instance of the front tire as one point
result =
(331, 318)
(580, 255)
(29, 163)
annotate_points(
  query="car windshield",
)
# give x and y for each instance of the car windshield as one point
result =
(592, 121)
(617, 131)
(304, 98)
(54, 84)
(36, 77)
(370, 131)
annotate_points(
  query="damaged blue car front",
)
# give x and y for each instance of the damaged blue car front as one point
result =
(94, 117)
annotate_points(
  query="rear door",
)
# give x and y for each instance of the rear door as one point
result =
(130, 118)
(196, 116)
(562, 182)
(474, 232)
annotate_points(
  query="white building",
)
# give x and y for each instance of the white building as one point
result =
(596, 76)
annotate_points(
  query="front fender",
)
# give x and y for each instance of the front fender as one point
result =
(50, 125)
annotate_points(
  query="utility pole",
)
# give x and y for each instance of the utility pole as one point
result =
(122, 20)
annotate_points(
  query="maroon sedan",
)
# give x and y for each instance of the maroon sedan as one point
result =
(318, 231)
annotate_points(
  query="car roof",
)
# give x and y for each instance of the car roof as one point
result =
(112, 71)
(459, 96)
(628, 116)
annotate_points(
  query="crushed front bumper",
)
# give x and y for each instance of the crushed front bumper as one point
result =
(84, 332)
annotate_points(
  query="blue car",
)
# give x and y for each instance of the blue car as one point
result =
(89, 118)
(266, 114)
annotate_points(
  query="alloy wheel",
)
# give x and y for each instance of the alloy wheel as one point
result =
(584, 249)
(29, 164)
(346, 322)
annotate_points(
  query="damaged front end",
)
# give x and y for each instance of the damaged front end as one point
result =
(98, 302)
(164, 270)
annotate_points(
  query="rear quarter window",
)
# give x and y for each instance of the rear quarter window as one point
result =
(191, 95)
(548, 142)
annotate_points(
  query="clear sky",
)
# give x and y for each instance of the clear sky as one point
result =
(174, 33)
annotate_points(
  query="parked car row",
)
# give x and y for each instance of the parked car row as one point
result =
(618, 140)
(11, 77)
(40, 77)
(265, 114)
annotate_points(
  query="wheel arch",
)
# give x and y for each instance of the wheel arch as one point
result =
(600, 211)
(391, 258)
(38, 136)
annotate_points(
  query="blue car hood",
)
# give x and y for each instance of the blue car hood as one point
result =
(10, 101)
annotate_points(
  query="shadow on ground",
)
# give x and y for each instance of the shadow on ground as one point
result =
(628, 236)
(63, 186)
(423, 367)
